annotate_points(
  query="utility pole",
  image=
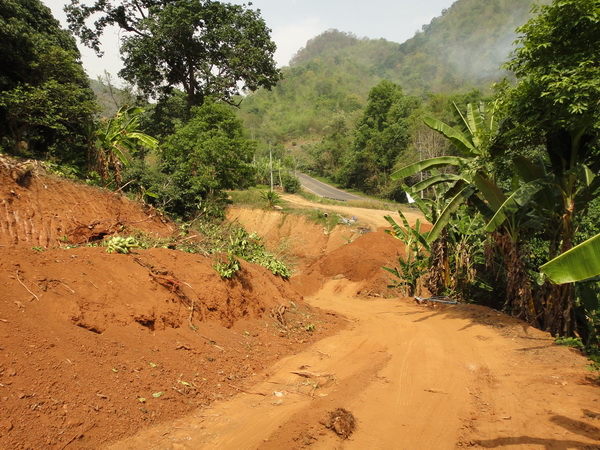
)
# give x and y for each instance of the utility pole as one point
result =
(271, 165)
(420, 159)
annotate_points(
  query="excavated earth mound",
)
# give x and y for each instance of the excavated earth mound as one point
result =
(38, 210)
(346, 252)
(95, 346)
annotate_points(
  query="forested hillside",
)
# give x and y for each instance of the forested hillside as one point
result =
(461, 50)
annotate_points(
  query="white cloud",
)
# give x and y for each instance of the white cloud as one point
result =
(290, 38)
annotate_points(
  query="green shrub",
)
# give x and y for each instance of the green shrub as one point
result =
(291, 183)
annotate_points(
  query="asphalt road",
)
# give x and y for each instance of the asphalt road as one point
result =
(324, 190)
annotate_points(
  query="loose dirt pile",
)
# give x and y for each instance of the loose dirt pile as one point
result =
(355, 252)
(95, 346)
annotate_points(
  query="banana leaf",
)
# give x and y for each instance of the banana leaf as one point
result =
(420, 166)
(424, 204)
(450, 208)
(404, 234)
(456, 137)
(528, 170)
(398, 231)
(475, 123)
(579, 263)
(148, 141)
(512, 204)
(436, 179)
(492, 193)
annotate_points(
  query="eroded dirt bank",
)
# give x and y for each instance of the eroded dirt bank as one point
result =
(154, 350)
(96, 346)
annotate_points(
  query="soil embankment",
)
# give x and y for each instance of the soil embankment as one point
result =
(96, 346)
(154, 350)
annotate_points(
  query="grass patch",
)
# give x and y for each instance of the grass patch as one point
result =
(250, 198)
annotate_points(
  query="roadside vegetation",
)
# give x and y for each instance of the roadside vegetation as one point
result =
(506, 172)
(523, 183)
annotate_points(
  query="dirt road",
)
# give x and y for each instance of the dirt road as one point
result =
(373, 218)
(156, 348)
(413, 377)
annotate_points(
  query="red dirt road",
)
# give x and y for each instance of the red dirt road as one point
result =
(413, 377)
(154, 350)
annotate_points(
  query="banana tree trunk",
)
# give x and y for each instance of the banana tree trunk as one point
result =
(559, 317)
(438, 279)
(519, 299)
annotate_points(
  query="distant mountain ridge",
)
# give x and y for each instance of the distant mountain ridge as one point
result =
(463, 49)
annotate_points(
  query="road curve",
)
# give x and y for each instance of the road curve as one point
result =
(324, 190)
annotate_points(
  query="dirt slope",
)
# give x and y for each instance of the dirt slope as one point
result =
(38, 210)
(347, 252)
(155, 350)
(95, 346)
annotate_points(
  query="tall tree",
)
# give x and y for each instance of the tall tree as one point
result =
(206, 156)
(382, 135)
(205, 47)
(46, 104)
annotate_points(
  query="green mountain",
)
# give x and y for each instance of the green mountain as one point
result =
(459, 51)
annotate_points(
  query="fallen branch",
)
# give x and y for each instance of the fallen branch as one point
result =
(67, 286)
(23, 284)
(247, 392)
(307, 374)
(213, 342)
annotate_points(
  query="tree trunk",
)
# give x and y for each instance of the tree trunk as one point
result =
(438, 278)
(519, 299)
(559, 314)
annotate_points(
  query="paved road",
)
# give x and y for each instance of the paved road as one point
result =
(325, 190)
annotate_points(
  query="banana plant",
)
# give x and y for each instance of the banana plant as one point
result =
(578, 264)
(473, 144)
(118, 139)
(417, 251)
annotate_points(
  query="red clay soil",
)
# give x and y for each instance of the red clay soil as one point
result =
(318, 255)
(95, 346)
(154, 350)
(46, 211)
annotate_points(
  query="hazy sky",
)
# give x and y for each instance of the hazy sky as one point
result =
(294, 22)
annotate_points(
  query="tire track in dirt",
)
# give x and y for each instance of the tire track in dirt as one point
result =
(413, 378)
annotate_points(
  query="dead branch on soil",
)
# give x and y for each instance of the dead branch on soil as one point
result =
(247, 392)
(213, 342)
(307, 374)
(79, 434)
(174, 285)
(23, 284)
(67, 286)
(278, 314)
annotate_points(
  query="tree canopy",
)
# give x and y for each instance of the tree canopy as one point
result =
(208, 48)
(46, 104)
(204, 157)
(381, 136)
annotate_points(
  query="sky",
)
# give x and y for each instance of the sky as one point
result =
(294, 22)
